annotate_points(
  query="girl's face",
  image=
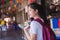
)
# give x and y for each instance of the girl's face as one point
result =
(31, 12)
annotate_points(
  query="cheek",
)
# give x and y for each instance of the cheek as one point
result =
(32, 15)
(29, 13)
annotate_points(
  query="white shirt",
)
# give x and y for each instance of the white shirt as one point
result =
(36, 28)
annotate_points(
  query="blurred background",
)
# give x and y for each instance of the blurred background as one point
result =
(13, 15)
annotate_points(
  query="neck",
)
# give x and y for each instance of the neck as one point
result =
(36, 17)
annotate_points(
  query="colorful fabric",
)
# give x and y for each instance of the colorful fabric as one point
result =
(59, 22)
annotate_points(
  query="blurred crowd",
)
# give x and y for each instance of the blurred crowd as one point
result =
(8, 24)
(53, 11)
(54, 8)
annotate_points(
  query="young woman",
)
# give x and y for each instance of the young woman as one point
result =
(35, 32)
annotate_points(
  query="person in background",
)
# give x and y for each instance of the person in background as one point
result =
(3, 22)
(3, 25)
(35, 30)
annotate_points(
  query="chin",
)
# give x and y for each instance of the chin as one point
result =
(30, 16)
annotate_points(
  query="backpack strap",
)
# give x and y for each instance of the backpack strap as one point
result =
(45, 34)
(41, 22)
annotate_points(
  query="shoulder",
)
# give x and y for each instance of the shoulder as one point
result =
(35, 23)
(35, 27)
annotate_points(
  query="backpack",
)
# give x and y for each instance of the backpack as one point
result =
(48, 33)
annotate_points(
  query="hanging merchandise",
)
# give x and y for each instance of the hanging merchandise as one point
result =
(10, 2)
(9, 8)
(14, 18)
(17, 1)
(55, 2)
(2, 2)
(20, 1)
(4, 10)
(15, 6)
(1, 11)
(31, 1)
(7, 2)
(14, 1)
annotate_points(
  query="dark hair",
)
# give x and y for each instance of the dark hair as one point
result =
(31, 19)
(40, 10)
(36, 6)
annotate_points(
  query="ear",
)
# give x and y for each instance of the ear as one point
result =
(36, 11)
